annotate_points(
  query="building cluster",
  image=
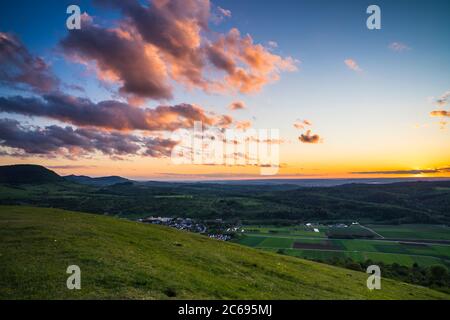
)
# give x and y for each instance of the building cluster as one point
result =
(187, 224)
(223, 237)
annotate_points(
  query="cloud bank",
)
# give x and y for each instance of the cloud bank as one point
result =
(20, 69)
(54, 141)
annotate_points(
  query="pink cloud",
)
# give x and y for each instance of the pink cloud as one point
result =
(352, 64)
(224, 12)
(171, 40)
(237, 105)
(300, 124)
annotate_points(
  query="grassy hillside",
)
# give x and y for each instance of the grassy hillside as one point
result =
(123, 259)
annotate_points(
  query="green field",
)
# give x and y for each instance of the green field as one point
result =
(289, 231)
(413, 231)
(120, 259)
(310, 246)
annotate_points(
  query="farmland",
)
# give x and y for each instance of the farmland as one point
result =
(430, 232)
(425, 245)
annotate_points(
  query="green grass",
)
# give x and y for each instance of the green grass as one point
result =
(283, 231)
(413, 231)
(387, 258)
(121, 259)
(270, 242)
(359, 249)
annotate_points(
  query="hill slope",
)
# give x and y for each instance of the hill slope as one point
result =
(124, 259)
(27, 173)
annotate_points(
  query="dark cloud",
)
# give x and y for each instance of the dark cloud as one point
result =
(158, 148)
(309, 138)
(439, 170)
(120, 57)
(177, 34)
(220, 59)
(110, 114)
(224, 121)
(173, 28)
(53, 141)
(443, 100)
(20, 69)
(237, 105)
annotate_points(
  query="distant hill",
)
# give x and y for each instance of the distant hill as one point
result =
(98, 182)
(129, 260)
(28, 174)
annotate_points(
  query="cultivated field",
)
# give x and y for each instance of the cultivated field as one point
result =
(425, 245)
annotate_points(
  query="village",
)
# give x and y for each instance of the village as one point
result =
(216, 229)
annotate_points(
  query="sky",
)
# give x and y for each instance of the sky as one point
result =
(110, 97)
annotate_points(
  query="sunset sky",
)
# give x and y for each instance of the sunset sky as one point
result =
(348, 101)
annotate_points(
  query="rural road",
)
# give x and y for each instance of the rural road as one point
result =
(373, 231)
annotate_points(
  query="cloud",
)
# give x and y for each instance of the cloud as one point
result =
(438, 170)
(398, 47)
(111, 114)
(224, 12)
(120, 57)
(224, 121)
(53, 141)
(443, 100)
(352, 64)
(301, 124)
(179, 41)
(237, 105)
(158, 147)
(440, 113)
(152, 48)
(308, 138)
(248, 66)
(20, 69)
(70, 167)
(243, 125)
(272, 44)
